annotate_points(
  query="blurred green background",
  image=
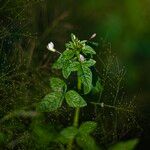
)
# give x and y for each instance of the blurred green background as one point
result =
(27, 26)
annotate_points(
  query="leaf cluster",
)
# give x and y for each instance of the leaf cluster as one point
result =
(81, 135)
(53, 100)
(70, 61)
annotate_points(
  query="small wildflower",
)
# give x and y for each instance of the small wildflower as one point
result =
(82, 58)
(50, 47)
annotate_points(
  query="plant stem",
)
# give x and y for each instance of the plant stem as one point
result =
(79, 84)
(76, 117)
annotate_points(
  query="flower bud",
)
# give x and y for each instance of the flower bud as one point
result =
(82, 58)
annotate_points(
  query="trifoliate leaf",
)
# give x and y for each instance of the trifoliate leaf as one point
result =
(73, 99)
(58, 85)
(87, 127)
(50, 102)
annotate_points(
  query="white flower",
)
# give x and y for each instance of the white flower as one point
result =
(81, 58)
(50, 47)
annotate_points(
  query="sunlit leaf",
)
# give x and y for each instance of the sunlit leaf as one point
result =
(88, 50)
(68, 67)
(50, 102)
(68, 54)
(58, 85)
(73, 99)
(66, 71)
(89, 63)
(64, 57)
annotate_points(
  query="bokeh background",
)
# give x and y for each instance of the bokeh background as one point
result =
(27, 26)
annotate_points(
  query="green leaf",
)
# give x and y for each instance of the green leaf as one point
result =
(74, 66)
(87, 127)
(83, 42)
(58, 85)
(86, 142)
(64, 57)
(44, 134)
(128, 145)
(74, 99)
(85, 74)
(69, 45)
(64, 62)
(67, 134)
(68, 67)
(68, 54)
(66, 71)
(98, 87)
(88, 50)
(50, 102)
(59, 63)
(89, 63)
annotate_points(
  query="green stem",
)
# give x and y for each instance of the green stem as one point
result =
(79, 83)
(76, 118)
